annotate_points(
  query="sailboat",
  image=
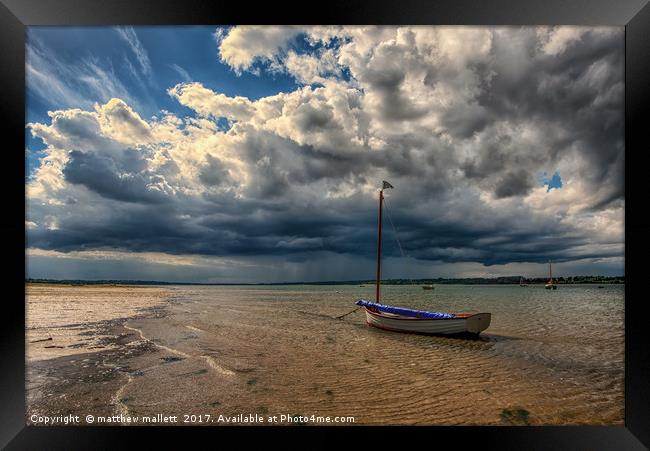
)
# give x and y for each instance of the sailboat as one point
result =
(522, 283)
(550, 285)
(401, 319)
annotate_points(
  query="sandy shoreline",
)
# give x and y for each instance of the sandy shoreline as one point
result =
(68, 319)
(106, 383)
(87, 382)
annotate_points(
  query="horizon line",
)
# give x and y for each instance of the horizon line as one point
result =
(314, 282)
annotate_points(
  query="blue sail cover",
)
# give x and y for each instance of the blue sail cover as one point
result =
(405, 311)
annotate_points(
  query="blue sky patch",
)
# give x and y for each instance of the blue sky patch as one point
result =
(555, 181)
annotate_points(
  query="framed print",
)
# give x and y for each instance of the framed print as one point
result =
(378, 219)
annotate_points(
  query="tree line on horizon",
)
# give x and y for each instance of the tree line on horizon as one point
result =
(509, 280)
(505, 280)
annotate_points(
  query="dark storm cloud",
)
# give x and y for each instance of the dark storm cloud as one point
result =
(464, 122)
(311, 119)
(151, 229)
(387, 82)
(82, 128)
(514, 183)
(438, 240)
(296, 230)
(281, 165)
(581, 90)
(214, 173)
(125, 180)
(492, 159)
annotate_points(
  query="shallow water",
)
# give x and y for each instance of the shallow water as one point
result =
(552, 357)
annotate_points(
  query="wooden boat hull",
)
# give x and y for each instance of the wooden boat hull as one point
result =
(474, 323)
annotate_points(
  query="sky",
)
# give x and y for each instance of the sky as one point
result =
(255, 154)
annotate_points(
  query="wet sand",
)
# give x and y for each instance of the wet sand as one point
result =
(69, 319)
(237, 351)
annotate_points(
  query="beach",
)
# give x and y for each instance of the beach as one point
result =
(225, 354)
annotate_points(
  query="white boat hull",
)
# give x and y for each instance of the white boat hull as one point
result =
(474, 324)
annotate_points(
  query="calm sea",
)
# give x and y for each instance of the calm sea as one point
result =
(557, 355)
(548, 357)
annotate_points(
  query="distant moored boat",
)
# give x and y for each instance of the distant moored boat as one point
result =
(550, 285)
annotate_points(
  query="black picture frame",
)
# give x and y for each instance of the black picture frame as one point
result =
(15, 15)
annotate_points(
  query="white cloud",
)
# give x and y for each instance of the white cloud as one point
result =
(182, 72)
(309, 69)
(209, 103)
(558, 39)
(245, 44)
(71, 85)
(121, 123)
(129, 35)
(46, 77)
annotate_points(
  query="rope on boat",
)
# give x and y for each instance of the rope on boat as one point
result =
(394, 229)
(399, 244)
(322, 315)
(346, 314)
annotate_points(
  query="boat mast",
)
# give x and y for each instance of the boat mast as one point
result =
(384, 185)
(381, 201)
(550, 273)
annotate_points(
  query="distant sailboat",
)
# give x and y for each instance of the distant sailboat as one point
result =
(400, 319)
(522, 283)
(550, 285)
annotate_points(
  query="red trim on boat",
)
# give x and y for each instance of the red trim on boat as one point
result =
(387, 328)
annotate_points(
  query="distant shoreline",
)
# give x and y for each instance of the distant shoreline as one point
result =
(514, 280)
(92, 283)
